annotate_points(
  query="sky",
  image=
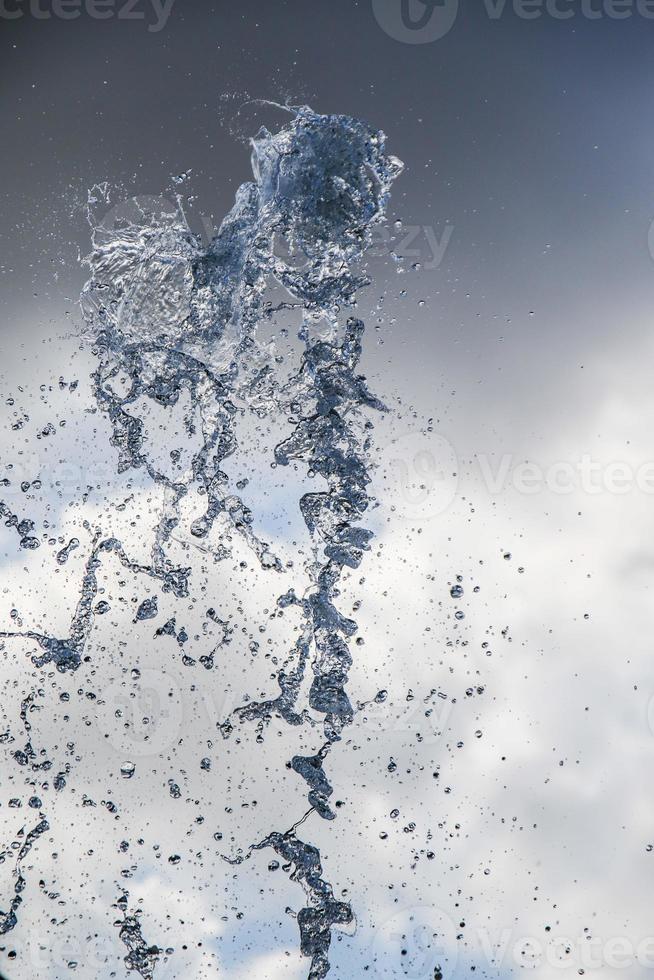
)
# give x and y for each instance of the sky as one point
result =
(509, 335)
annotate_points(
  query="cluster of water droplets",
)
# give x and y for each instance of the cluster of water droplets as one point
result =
(171, 319)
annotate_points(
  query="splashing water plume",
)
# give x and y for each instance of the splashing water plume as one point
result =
(173, 321)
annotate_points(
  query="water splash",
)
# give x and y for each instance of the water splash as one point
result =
(172, 320)
(141, 957)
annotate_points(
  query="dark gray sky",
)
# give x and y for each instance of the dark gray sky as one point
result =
(530, 138)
